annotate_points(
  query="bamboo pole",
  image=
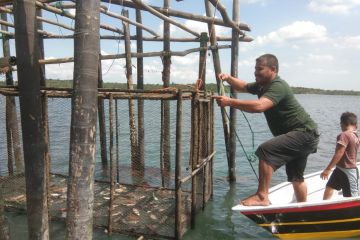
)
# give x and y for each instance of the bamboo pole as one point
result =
(221, 90)
(140, 85)
(233, 111)
(80, 197)
(178, 191)
(31, 119)
(102, 124)
(165, 105)
(132, 126)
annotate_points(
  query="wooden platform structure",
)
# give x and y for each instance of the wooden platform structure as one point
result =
(34, 174)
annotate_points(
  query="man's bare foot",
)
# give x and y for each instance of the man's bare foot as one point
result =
(255, 200)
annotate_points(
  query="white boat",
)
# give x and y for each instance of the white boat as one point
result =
(287, 219)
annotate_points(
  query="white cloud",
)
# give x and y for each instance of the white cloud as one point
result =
(333, 6)
(261, 2)
(348, 42)
(298, 31)
(321, 58)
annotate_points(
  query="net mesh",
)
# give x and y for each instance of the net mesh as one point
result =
(141, 135)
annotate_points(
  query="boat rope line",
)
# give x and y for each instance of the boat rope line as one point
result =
(251, 157)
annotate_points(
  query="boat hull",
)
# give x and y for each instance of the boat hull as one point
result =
(340, 219)
(287, 219)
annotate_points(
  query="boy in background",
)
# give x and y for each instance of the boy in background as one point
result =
(346, 174)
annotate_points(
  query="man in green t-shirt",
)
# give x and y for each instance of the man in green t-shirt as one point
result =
(295, 133)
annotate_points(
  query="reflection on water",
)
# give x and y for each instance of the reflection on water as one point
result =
(218, 221)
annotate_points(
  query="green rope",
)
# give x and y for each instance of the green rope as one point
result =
(251, 157)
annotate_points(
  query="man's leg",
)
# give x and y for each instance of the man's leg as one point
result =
(328, 193)
(300, 190)
(261, 197)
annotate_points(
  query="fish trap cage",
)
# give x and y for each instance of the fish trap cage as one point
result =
(153, 168)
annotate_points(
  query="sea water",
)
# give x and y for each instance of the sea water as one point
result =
(218, 221)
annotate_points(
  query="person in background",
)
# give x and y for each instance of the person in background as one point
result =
(295, 133)
(346, 174)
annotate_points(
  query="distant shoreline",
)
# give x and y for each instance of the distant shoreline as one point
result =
(209, 87)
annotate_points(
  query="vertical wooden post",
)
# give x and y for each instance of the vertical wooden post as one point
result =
(132, 125)
(221, 91)
(195, 154)
(212, 143)
(117, 141)
(80, 197)
(140, 85)
(44, 101)
(29, 77)
(102, 125)
(178, 190)
(202, 61)
(12, 127)
(165, 103)
(234, 73)
(112, 165)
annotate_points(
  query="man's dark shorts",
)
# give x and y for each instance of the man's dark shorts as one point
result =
(291, 149)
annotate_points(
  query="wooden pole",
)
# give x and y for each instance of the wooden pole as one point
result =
(221, 90)
(112, 166)
(165, 16)
(29, 77)
(44, 102)
(166, 104)
(180, 14)
(202, 61)
(178, 197)
(140, 85)
(233, 111)
(117, 141)
(194, 155)
(80, 197)
(12, 125)
(132, 125)
(102, 125)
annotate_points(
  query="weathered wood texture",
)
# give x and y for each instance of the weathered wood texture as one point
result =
(29, 80)
(80, 197)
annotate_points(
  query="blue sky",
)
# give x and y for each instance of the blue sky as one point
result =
(317, 43)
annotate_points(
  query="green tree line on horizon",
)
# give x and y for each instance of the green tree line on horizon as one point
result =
(211, 87)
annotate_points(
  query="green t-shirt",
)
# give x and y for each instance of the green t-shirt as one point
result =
(287, 114)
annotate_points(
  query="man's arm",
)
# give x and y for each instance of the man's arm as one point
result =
(339, 152)
(253, 106)
(236, 83)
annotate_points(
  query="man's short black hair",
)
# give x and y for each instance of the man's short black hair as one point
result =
(348, 118)
(269, 60)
